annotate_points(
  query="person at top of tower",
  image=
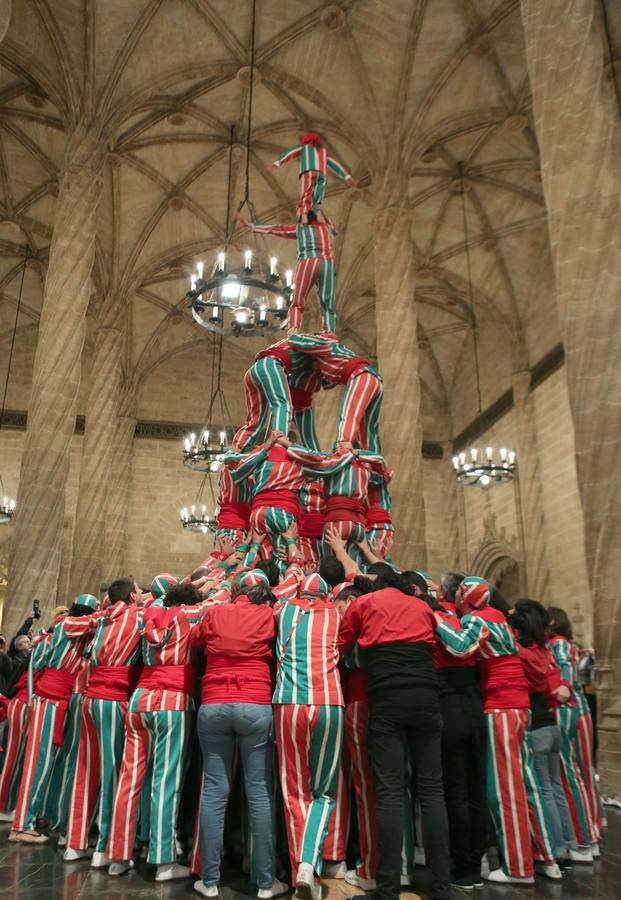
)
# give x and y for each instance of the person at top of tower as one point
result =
(314, 164)
(314, 268)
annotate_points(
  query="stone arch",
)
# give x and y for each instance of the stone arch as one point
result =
(500, 563)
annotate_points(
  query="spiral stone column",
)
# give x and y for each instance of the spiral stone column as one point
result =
(35, 556)
(102, 411)
(531, 496)
(397, 360)
(578, 126)
(113, 559)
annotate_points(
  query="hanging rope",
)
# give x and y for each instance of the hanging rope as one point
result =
(473, 318)
(8, 368)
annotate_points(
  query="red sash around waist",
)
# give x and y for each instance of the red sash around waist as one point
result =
(168, 678)
(232, 679)
(285, 500)
(311, 524)
(344, 509)
(111, 682)
(300, 398)
(503, 683)
(56, 685)
(234, 515)
(377, 515)
(280, 353)
(351, 368)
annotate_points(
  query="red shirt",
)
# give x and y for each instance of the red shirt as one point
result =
(238, 641)
(536, 663)
(386, 616)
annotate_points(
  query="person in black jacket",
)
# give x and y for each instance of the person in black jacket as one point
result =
(396, 631)
(12, 657)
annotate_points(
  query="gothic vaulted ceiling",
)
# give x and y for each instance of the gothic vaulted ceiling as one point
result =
(436, 89)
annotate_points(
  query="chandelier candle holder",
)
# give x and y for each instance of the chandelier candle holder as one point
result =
(485, 467)
(240, 300)
(204, 451)
(7, 510)
(196, 518)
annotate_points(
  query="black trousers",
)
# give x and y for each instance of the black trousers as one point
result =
(409, 720)
(463, 767)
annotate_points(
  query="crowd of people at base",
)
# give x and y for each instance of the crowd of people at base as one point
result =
(414, 700)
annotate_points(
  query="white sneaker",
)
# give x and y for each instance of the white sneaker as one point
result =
(366, 884)
(334, 870)
(120, 867)
(548, 870)
(206, 890)
(62, 840)
(305, 886)
(71, 855)
(99, 860)
(7, 817)
(277, 888)
(581, 855)
(406, 881)
(171, 871)
(595, 851)
(498, 876)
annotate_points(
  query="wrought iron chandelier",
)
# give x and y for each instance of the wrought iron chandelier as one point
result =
(482, 466)
(198, 515)
(7, 504)
(203, 451)
(242, 295)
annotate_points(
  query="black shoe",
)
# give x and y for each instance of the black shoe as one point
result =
(565, 865)
(463, 883)
(476, 879)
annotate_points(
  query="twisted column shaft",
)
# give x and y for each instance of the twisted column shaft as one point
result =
(579, 133)
(397, 358)
(531, 495)
(113, 559)
(95, 470)
(35, 555)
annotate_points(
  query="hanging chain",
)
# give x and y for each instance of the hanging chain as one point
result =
(228, 225)
(250, 93)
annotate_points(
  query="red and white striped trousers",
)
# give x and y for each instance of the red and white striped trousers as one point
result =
(359, 414)
(335, 844)
(15, 744)
(585, 755)
(356, 720)
(506, 792)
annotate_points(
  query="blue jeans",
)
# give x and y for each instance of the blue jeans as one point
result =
(220, 726)
(546, 743)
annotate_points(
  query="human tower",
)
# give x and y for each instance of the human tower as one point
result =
(299, 631)
(270, 483)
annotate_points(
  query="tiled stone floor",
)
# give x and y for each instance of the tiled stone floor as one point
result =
(38, 873)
